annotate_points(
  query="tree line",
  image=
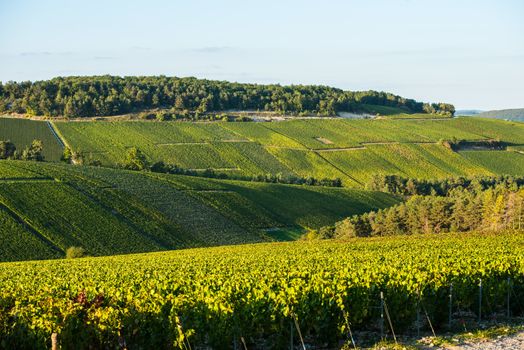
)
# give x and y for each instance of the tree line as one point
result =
(402, 186)
(112, 95)
(454, 205)
(34, 151)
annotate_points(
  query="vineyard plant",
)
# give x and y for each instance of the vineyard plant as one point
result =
(216, 296)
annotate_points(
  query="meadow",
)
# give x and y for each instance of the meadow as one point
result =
(259, 294)
(49, 207)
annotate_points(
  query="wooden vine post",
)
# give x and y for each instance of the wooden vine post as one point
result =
(54, 341)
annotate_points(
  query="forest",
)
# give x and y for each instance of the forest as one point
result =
(490, 204)
(111, 95)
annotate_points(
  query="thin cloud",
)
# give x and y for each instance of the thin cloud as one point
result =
(44, 53)
(140, 48)
(212, 49)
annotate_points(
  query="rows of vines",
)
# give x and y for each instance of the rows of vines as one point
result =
(215, 296)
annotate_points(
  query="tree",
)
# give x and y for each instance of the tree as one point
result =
(135, 160)
(179, 103)
(7, 149)
(66, 155)
(34, 151)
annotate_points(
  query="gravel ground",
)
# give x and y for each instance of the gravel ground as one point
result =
(512, 342)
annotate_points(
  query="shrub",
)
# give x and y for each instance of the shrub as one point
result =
(75, 252)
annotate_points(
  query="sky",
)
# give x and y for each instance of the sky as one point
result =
(469, 53)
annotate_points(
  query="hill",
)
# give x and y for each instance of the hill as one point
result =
(516, 114)
(352, 150)
(190, 97)
(46, 208)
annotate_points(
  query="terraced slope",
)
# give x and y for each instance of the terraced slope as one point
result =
(47, 207)
(352, 150)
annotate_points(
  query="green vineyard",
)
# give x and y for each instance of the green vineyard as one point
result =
(46, 208)
(22, 132)
(352, 150)
(216, 296)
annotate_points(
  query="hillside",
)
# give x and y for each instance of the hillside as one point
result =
(516, 114)
(352, 150)
(22, 132)
(46, 208)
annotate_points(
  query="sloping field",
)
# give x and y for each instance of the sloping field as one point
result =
(47, 207)
(408, 160)
(251, 159)
(22, 132)
(352, 150)
(508, 131)
(263, 205)
(308, 163)
(498, 162)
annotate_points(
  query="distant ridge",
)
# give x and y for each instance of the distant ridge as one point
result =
(516, 114)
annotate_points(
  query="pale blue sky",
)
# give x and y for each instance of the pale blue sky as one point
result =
(469, 53)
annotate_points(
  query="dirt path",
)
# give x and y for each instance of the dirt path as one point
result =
(341, 149)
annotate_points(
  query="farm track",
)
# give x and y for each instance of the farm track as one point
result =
(234, 141)
(398, 143)
(27, 179)
(217, 169)
(285, 147)
(181, 143)
(55, 134)
(340, 149)
(205, 191)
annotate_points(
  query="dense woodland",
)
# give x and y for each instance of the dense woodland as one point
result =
(452, 205)
(110, 95)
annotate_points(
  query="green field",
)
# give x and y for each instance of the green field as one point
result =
(22, 132)
(47, 207)
(407, 160)
(352, 150)
(360, 148)
(499, 162)
(211, 298)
